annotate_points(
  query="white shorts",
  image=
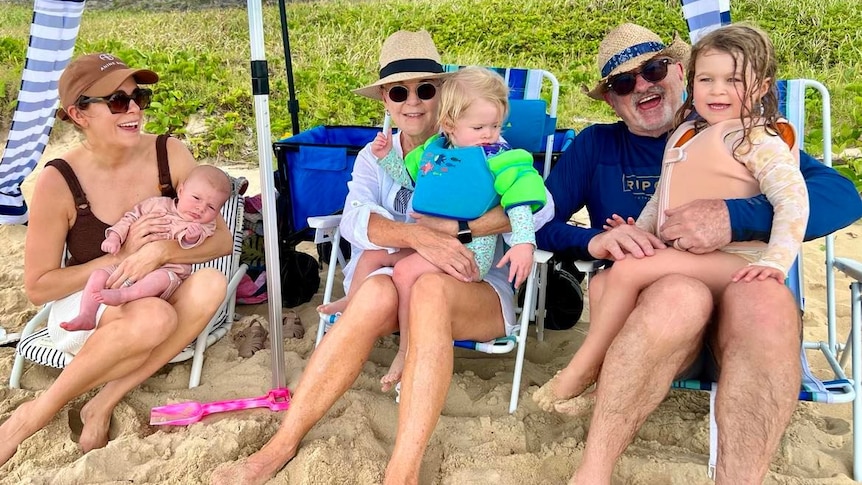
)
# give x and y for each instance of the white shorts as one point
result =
(64, 310)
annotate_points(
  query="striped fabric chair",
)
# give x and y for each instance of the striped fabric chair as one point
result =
(36, 346)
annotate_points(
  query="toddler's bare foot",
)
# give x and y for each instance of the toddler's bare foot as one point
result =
(334, 307)
(110, 297)
(556, 396)
(393, 376)
(81, 322)
(577, 406)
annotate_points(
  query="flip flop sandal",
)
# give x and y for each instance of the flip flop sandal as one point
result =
(252, 338)
(291, 325)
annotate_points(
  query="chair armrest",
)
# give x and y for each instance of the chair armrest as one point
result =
(589, 267)
(324, 222)
(541, 256)
(850, 267)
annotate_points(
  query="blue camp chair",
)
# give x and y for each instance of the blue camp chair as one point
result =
(527, 112)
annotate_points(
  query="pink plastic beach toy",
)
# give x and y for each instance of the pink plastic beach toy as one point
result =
(183, 413)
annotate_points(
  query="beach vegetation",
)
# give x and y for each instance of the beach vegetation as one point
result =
(203, 56)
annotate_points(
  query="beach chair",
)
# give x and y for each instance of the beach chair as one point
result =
(36, 346)
(531, 126)
(836, 388)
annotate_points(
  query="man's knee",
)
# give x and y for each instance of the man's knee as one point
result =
(759, 309)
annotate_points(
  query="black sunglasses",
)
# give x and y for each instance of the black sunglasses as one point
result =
(653, 71)
(424, 91)
(118, 102)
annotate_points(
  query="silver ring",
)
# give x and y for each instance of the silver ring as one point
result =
(678, 246)
(128, 283)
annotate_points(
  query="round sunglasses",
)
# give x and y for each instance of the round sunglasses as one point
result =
(653, 71)
(424, 91)
(118, 102)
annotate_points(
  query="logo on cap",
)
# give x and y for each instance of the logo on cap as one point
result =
(106, 57)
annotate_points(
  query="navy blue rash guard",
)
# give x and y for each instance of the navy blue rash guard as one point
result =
(609, 170)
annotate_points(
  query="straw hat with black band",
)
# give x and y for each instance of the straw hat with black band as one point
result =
(628, 46)
(405, 56)
(96, 75)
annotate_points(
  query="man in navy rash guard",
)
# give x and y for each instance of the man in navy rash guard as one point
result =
(751, 334)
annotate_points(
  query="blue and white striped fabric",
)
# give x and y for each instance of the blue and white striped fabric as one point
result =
(523, 83)
(703, 16)
(52, 42)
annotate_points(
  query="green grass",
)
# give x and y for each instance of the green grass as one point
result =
(203, 56)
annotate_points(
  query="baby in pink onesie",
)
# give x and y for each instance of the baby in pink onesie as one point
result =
(191, 218)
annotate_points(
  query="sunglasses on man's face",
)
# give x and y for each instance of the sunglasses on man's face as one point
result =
(653, 71)
(118, 102)
(424, 91)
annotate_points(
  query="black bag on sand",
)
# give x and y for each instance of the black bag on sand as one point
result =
(564, 298)
(300, 277)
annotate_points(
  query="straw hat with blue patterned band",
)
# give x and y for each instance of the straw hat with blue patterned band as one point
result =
(405, 56)
(628, 46)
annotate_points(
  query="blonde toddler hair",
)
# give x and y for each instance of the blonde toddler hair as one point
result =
(464, 86)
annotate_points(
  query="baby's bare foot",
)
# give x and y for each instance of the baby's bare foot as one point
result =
(81, 322)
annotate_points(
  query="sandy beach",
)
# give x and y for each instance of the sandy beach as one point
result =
(476, 441)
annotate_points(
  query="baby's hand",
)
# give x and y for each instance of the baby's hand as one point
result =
(193, 233)
(111, 244)
(520, 260)
(616, 221)
(382, 144)
(759, 273)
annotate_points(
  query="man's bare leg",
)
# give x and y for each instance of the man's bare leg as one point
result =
(331, 370)
(661, 337)
(757, 348)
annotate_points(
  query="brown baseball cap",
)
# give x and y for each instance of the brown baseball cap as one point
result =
(96, 75)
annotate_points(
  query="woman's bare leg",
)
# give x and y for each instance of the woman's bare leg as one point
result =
(442, 309)
(405, 274)
(331, 370)
(194, 304)
(119, 346)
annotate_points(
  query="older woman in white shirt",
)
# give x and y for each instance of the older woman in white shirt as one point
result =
(444, 307)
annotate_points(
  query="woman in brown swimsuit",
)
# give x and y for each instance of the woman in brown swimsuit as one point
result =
(75, 199)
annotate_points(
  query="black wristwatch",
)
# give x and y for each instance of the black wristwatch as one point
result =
(464, 233)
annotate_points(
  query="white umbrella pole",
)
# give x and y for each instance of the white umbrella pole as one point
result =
(260, 91)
